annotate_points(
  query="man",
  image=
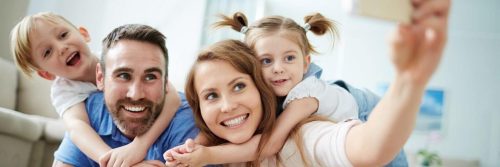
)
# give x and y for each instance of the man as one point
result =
(133, 78)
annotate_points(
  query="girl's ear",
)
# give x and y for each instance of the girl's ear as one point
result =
(83, 31)
(99, 77)
(46, 75)
(307, 61)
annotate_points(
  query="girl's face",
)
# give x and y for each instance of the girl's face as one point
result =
(229, 101)
(282, 62)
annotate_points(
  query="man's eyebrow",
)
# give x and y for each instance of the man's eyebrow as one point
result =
(123, 69)
(154, 69)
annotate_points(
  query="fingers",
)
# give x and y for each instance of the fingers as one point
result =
(427, 8)
(182, 158)
(189, 145)
(103, 160)
(168, 156)
(402, 45)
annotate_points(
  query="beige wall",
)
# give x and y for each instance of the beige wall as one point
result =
(11, 11)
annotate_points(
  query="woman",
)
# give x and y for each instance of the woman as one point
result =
(223, 99)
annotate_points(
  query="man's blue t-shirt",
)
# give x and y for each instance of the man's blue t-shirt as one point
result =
(181, 128)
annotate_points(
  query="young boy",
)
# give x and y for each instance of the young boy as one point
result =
(51, 46)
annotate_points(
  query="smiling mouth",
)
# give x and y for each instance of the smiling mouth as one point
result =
(235, 121)
(73, 59)
(279, 82)
(134, 109)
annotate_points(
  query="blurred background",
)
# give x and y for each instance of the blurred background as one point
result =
(468, 79)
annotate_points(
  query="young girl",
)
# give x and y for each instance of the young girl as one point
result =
(282, 47)
(57, 50)
(284, 51)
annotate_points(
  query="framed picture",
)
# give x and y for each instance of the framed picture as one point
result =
(430, 116)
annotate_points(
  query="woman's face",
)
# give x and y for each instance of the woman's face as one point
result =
(229, 101)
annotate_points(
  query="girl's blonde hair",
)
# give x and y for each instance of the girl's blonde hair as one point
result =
(267, 26)
(20, 43)
(243, 59)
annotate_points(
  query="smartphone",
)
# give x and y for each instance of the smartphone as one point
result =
(394, 10)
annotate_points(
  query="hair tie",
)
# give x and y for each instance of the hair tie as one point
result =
(306, 27)
(244, 29)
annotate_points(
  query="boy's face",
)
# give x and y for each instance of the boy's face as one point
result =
(282, 62)
(61, 50)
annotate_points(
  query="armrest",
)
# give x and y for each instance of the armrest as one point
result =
(20, 125)
(54, 130)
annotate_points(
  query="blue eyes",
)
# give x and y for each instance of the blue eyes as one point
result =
(124, 76)
(238, 87)
(150, 77)
(287, 59)
(211, 96)
(265, 61)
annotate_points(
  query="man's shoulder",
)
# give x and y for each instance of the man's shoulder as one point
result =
(95, 101)
(97, 111)
(182, 125)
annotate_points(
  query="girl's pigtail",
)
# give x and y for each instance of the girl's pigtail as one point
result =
(238, 22)
(319, 25)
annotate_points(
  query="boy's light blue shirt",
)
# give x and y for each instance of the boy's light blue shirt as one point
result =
(181, 127)
(366, 100)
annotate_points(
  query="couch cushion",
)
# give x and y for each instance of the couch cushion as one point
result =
(34, 97)
(20, 125)
(8, 84)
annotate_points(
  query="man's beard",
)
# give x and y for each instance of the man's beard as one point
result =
(135, 126)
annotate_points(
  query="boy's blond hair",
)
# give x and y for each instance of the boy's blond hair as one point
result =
(20, 43)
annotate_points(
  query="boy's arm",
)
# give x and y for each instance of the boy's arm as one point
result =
(135, 152)
(82, 134)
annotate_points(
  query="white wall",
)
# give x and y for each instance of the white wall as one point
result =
(179, 20)
(469, 73)
(11, 11)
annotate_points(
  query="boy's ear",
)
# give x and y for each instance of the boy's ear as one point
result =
(307, 61)
(46, 75)
(99, 77)
(84, 33)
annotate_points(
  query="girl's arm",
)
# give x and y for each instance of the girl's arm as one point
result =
(135, 152)
(82, 134)
(200, 155)
(416, 52)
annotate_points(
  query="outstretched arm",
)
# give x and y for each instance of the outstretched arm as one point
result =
(135, 152)
(417, 49)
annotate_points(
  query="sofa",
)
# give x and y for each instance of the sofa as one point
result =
(30, 130)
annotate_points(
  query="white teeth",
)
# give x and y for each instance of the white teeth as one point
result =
(70, 57)
(134, 108)
(236, 121)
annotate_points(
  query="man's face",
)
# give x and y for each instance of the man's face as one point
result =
(133, 85)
